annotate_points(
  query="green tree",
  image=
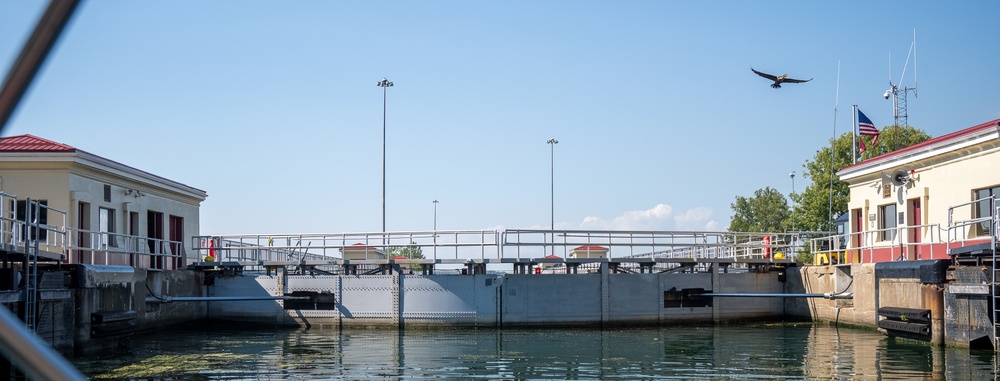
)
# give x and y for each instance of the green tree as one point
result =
(766, 211)
(411, 251)
(813, 208)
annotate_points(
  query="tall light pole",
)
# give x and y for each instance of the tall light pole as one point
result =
(435, 228)
(792, 175)
(552, 169)
(385, 85)
(435, 217)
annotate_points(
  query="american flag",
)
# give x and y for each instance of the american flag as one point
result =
(866, 127)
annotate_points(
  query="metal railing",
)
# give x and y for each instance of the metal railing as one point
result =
(977, 228)
(103, 248)
(650, 244)
(869, 242)
(54, 240)
(482, 244)
(8, 219)
(457, 244)
(18, 231)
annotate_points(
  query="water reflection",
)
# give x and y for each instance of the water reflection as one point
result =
(769, 351)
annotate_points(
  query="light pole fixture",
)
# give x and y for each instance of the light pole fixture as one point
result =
(385, 85)
(552, 173)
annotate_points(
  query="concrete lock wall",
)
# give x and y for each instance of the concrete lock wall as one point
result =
(552, 299)
(495, 299)
(644, 304)
(535, 300)
(362, 300)
(903, 284)
(158, 283)
(516, 299)
(749, 308)
(111, 300)
(857, 278)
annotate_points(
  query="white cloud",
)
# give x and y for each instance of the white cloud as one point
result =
(651, 219)
(712, 226)
(660, 217)
(699, 218)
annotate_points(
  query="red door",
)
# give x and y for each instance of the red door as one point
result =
(857, 223)
(154, 231)
(176, 239)
(915, 221)
(82, 238)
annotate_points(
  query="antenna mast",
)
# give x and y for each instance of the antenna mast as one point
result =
(898, 91)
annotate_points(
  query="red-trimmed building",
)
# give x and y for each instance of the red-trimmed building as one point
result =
(112, 213)
(914, 202)
(589, 251)
(360, 251)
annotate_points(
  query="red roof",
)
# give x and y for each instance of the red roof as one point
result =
(943, 138)
(591, 248)
(399, 257)
(31, 143)
(552, 256)
(360, 246)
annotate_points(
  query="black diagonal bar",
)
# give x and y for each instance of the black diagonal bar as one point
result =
(32, 56)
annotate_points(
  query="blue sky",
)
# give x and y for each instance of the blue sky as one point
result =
(273, 109)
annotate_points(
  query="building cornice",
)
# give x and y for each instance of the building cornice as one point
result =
(101, 164)
(987, 134)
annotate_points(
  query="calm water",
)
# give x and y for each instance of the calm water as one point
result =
(805, 352)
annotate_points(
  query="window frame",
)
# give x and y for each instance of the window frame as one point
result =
(20, 213)
(887, 222)
(980, 198)
(106, 225)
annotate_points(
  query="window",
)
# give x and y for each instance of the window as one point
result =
(107, 193)
(984, 207)
(887, 222)
(107, 217)
(42, 218)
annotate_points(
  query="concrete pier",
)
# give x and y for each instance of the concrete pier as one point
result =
(880, 291)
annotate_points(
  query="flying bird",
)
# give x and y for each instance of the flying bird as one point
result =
(779, 79)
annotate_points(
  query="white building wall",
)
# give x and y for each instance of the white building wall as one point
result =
(67, 178)
(943, 177)
(47, 185)
(132, 197)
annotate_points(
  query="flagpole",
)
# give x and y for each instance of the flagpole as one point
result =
(833, 145)
(854, 135)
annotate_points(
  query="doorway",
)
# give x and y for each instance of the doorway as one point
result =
(82, 237)
(857, 222)
(913, 208)
(176, 240)
(154, 233)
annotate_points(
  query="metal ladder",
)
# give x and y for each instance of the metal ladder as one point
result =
(32, 211)
(994, 287)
